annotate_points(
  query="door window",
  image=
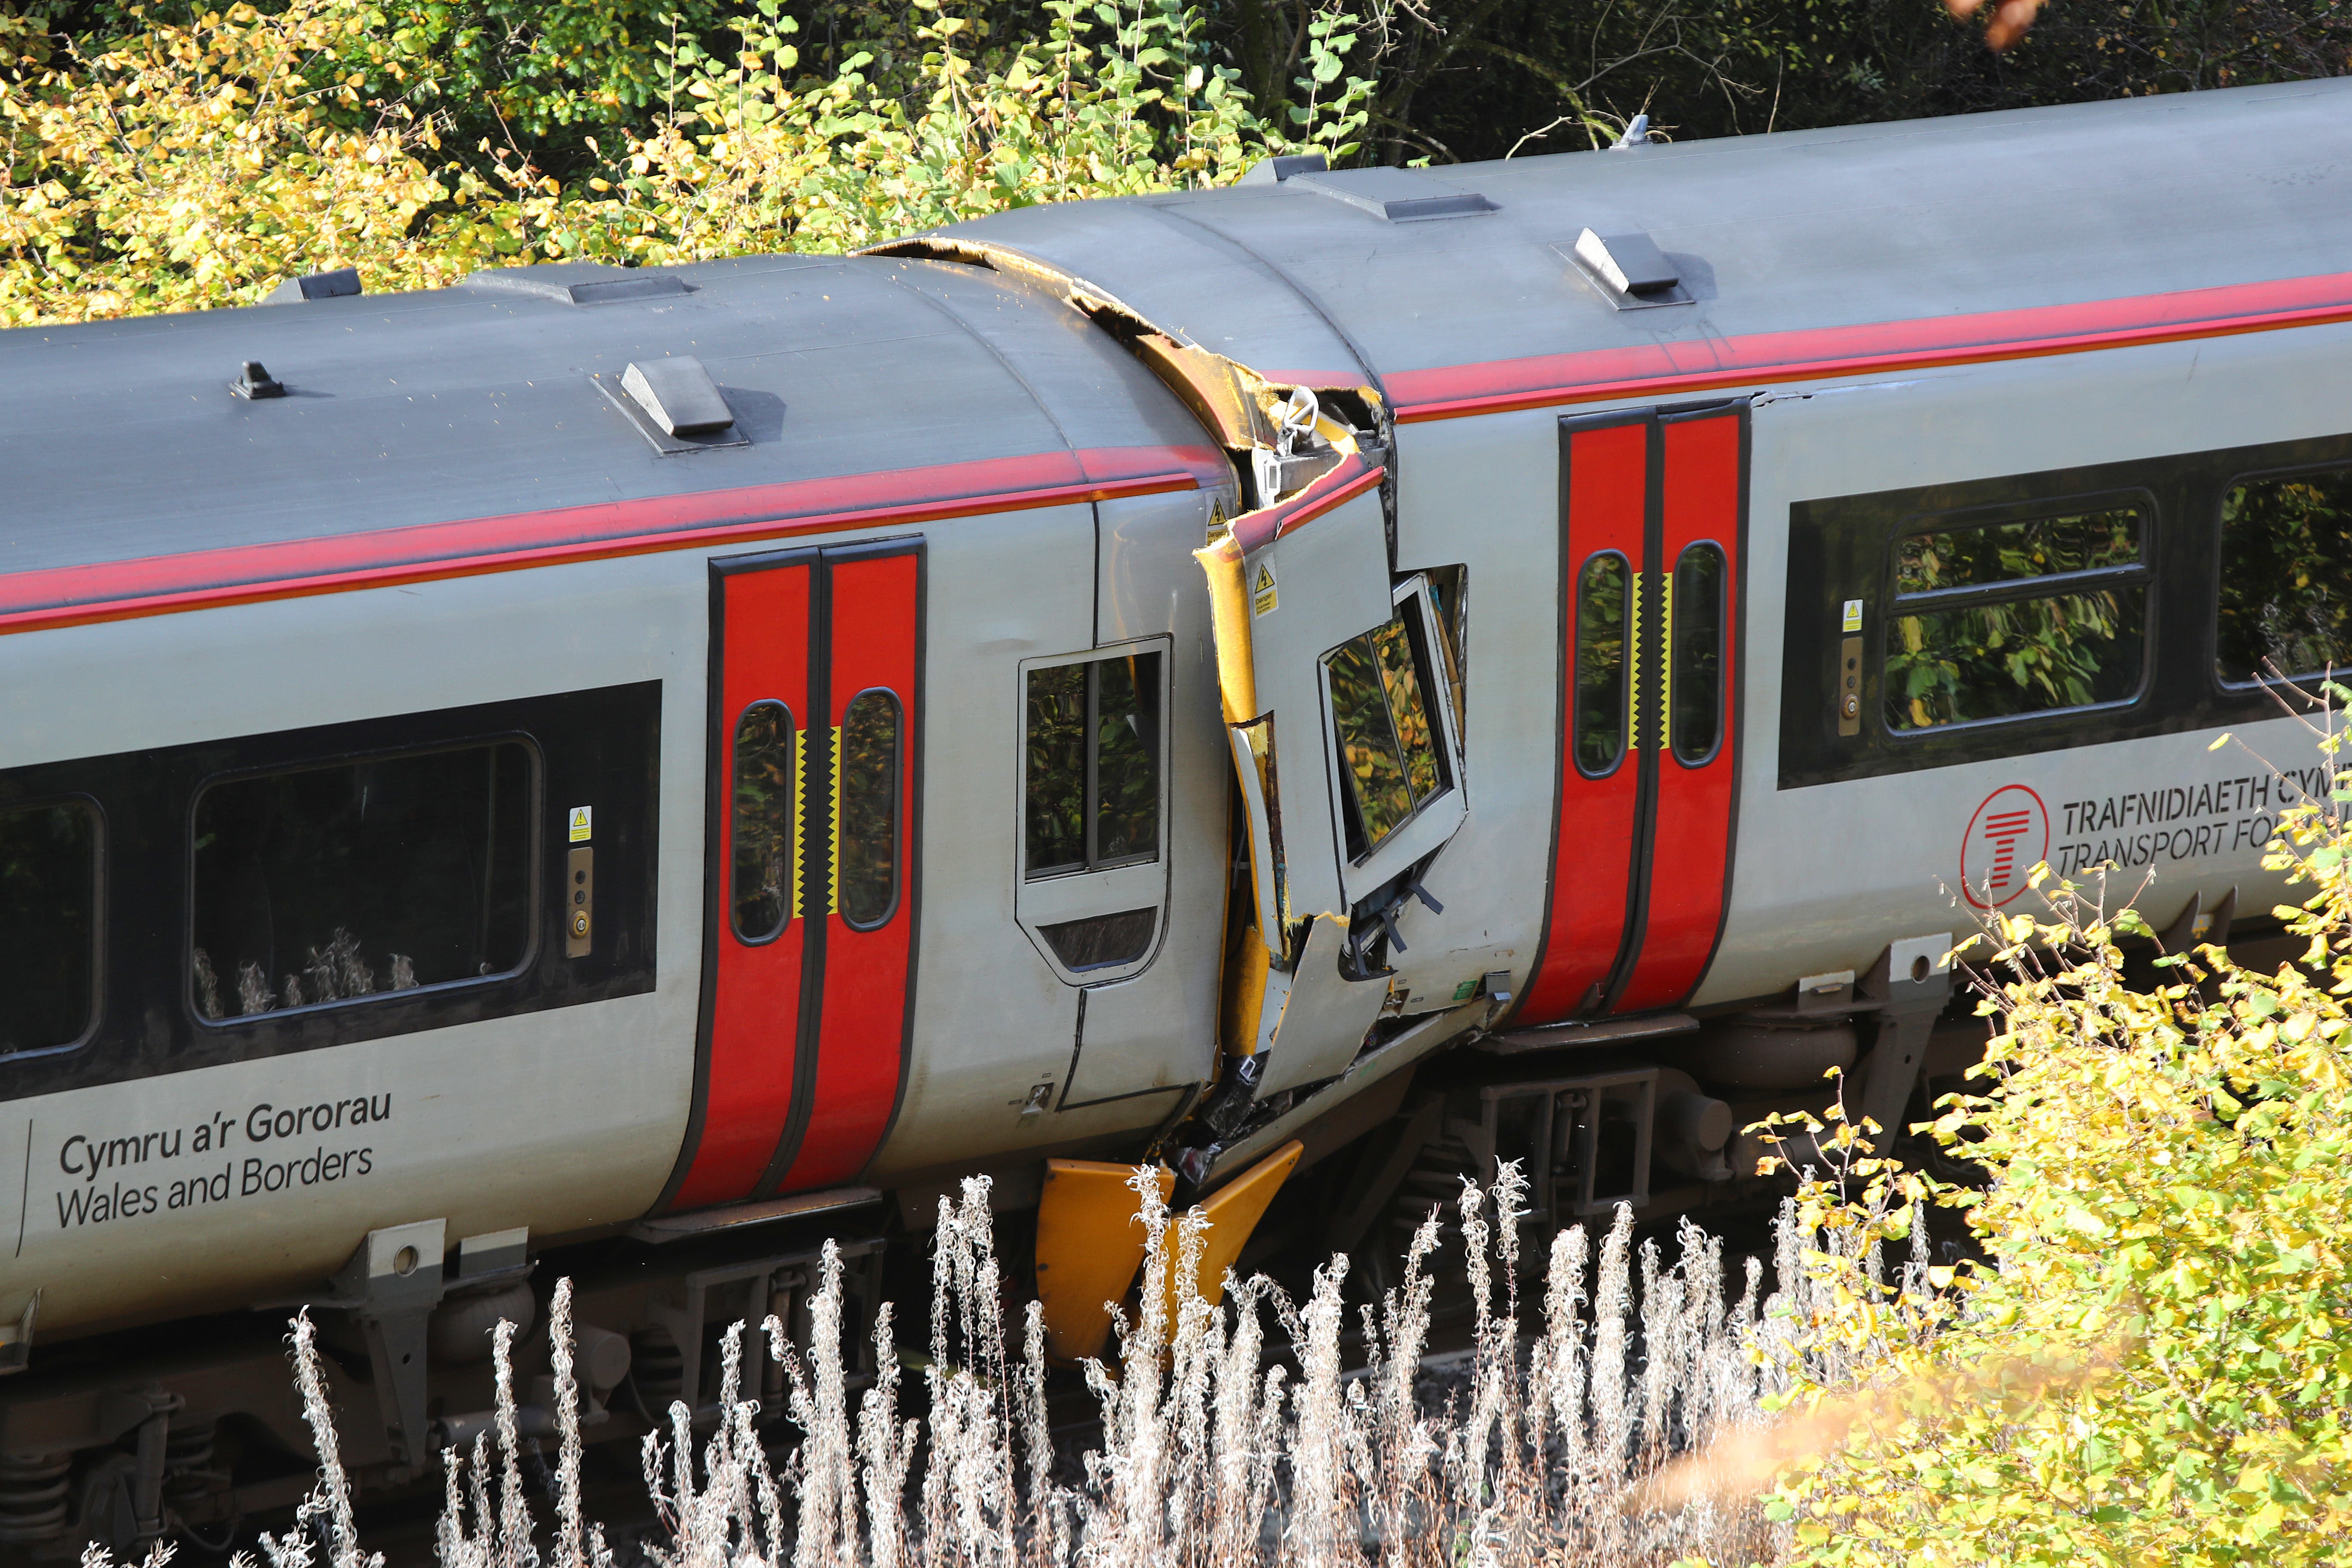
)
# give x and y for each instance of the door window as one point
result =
(1091, 765)
(48, 925)
(1389, 755)
(867, 783)
(2010, 619)
(767, 868)
(323, 885)
(1601, 663)
(1694, 670)
(2285, 583)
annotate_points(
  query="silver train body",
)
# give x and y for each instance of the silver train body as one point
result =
(1020, 532)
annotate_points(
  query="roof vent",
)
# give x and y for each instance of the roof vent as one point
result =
(336, 285)
(1399, 195)
(1280, 167)
(1630, 269)
(577, 282)
(676, 404)
(253, 382)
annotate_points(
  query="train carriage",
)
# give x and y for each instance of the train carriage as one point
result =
(622, 772)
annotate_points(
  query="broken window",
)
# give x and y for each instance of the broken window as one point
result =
(1599, 717)
(2285, 584)
(1091, 765)
(333, 883)
(867, 789)
(48, 925)
(763, 818)
(2016, 618)
(1389, 754)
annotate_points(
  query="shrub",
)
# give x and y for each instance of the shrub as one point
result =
(2155, 1365)
(196, 164)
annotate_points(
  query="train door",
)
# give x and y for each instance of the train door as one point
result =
(808, 960)
(1652, 505)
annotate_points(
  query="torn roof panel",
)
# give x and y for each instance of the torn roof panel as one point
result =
(1796, 232)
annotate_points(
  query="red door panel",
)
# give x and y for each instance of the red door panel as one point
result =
(754, 1002)
(804, 1032)
(1691, 844)
(1606, 487)
(1640, 866)
(877, 606)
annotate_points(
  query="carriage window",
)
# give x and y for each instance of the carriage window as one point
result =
(867, 791)
(1091, 784)
(332, 884)
(2016, 618)
(2286, 586)
(1388, 748)
(1696, 666)
(48, 925)
(1599, 717)
(766, 786)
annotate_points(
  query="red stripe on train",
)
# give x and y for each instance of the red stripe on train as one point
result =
(1700, 365)
(161, 585)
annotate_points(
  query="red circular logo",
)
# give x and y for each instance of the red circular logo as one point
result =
(2007, 837)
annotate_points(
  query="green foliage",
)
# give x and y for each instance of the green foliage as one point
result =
(195, 165)
(2156, 1364)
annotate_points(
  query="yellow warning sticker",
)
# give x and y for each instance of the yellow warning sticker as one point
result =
(1852, 622)
(578, 825)
(1263, 599)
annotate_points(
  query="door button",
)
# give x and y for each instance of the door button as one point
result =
(580, 895)
(1849, 701)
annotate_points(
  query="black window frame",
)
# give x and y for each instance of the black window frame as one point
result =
(2016, 590)
(97, 920)
(1724, 632)
(897, 797)
(1837, 551)
(1092, 661)
(797, 744)
(534, 813)
(1625, 655)
(2305, 684)
(600, 746)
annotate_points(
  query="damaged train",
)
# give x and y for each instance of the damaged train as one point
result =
(1321, 684)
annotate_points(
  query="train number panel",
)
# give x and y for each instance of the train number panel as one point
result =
(808, 963)
(1650, 557)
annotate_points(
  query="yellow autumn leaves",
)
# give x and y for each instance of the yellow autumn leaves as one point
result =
(2152, 1363)
(195, 166)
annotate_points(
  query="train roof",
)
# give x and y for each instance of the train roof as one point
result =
(1456, 285)
(122, 441)
(889, 379)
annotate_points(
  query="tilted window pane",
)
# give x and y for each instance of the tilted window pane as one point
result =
(1698, 669)
(2012, 552)
(2002, 659)
(1056, 737)
(2285, 588)
(1377, 791)
(1400, 676)
(48, 937)
(327, 884)
(763, 821)
(1127, 757)
(868, 865)
(1601, 663)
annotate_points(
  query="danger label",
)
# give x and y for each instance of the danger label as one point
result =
(1262, 598)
